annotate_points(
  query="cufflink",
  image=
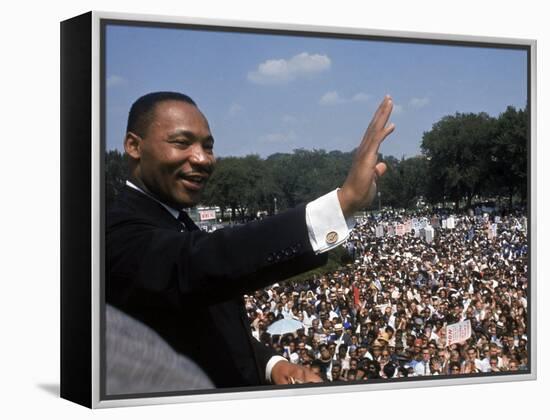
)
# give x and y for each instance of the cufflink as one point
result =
(331, 238)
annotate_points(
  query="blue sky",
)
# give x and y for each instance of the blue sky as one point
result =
(269, 93)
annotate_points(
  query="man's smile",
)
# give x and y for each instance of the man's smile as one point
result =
(194, 181)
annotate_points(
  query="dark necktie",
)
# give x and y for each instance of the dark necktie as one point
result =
(184, 218)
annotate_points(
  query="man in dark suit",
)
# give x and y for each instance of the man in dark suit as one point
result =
(187, 285)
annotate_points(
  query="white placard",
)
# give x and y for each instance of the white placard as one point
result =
(400, 230)
(459, 332)
(429, 234)
(451, 223)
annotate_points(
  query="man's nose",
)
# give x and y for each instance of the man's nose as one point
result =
(199, 156)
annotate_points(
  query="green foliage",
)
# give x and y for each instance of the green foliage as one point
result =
(458, 149)
(508, 160)
(404, 182)
(305, 175)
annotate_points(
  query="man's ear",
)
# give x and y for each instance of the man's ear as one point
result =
(132, 145)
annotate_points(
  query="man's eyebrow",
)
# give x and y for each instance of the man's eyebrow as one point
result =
(190, 135)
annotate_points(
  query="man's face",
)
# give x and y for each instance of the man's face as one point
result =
(176, 154)
(426, 354)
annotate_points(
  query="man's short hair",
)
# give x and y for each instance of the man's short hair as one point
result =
(141, 112)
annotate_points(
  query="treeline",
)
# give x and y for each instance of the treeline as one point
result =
(472, 155)
(463, 156)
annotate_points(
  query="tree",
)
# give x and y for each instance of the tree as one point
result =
(307, 174)
(242, 184)
(458, 149)
(508, 160)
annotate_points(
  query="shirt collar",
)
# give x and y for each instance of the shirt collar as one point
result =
(171, 210)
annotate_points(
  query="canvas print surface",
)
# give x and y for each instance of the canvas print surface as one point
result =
(300, 209)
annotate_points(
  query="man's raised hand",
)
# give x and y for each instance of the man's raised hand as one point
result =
(359, 189)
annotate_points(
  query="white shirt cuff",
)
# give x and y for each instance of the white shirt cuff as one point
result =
(269, 367)
(326, 224)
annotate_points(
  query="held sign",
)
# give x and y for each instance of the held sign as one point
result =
(459, 332)
(207, 215)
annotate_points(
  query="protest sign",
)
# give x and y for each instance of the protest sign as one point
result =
(451, 223)
(400, 230)
(491, 231)
(459, 332)
(207, 215)
(429, 234)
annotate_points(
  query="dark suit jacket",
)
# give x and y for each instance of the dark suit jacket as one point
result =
(188, 285)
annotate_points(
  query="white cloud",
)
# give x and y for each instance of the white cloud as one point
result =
(331, 98)
(278, 71)
(397, 109)
(334, 98)
(419, 102)
(116, 80)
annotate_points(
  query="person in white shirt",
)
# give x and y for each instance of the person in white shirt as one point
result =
(422, 368)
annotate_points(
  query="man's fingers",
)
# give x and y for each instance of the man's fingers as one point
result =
(383, 116)
(378, 134)
(385, 133)
(383, 109)
(302, 375)
(379, 114)
(312, 377)
(373, 147)
(380, 169)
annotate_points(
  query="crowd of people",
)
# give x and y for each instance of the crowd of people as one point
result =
(385, 313)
